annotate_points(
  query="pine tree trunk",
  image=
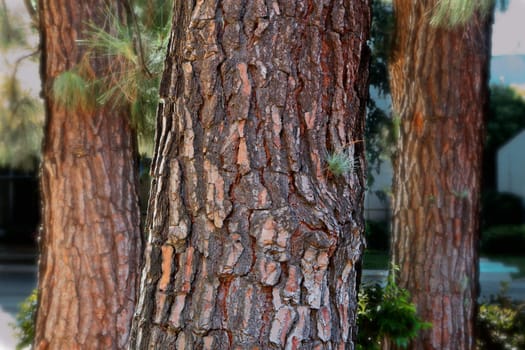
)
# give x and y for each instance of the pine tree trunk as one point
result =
(439, 89)
(90, 244)
(254, 243)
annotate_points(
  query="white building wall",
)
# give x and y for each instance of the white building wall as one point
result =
(511, 166)
(377, 208)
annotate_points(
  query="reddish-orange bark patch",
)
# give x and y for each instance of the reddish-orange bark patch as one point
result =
(167, 255)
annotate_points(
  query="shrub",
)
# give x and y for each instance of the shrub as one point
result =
(504, 239)
(25, 321)
(501, 323)
(386, 314)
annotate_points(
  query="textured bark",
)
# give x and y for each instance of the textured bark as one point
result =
(439, 91)
(90, 244)
(253, 244)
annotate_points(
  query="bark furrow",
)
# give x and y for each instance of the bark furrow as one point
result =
(253, 242)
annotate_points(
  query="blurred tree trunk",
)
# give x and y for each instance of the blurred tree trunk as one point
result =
(90, 244)
(254, 243)
(439, 89)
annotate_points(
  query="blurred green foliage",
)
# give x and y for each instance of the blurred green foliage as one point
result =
(25, 321)
(21, 126)
(137, 50)
(21, 113)
(501, 323)
(507, 116)
(12, 29)
(386, 314)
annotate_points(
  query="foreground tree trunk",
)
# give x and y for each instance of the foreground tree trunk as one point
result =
(90, 244)
(439, 90)
(254, 243)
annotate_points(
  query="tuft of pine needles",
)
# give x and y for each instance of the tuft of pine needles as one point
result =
(339, 163)
(135, 53)
(72, 91)
(453, 13)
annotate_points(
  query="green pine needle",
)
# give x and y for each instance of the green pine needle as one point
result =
(138, 61)
(135, 52)
(453, 13)
(119, 44)
(71, 91)
(339, 163)
(25, 321)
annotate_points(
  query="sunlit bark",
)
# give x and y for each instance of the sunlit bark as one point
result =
(439, 90)
(253, 243)
(90, 243)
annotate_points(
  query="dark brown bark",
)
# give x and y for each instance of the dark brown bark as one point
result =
(90, 244)
(253, 243)
(439, 91)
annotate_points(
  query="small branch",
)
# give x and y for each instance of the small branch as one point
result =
(31, 10)
(132, 16)
(22, 58)
(19, 60)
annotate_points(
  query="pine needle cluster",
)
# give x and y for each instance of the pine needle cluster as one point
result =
(135, 53)
(339, 163)
(453, 13)
(71, 90)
